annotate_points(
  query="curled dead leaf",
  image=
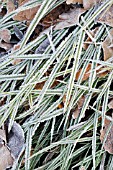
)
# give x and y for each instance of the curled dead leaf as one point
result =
(108, 146)
(70, 18)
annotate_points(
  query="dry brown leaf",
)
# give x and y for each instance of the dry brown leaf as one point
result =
(108, 146)
(90, 3)
(110, 104)
(107, 17)
(100, 72)
(70, 18)
(107, 46)
(87, 4)
(86, 74)
(10, 149)
(51, 18)
(5, 35)
(64, 99)
(6, 160)
(39, 86)
(10, 6)
(5, 46)
(74, 1)
(26, 15)
(16, 61)
(3, 135)
(81, 102)
(60, 106)
(2, 101)
(76, 111)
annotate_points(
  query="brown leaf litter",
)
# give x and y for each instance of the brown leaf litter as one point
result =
(77, 110)
(87, 4)
(110, 104)
(51, 18)
(5, 36)
(108, 146)
(101, 72)
(11, 145)
(107, 17)
(70, 18)
(6, 160)
(74, 1)
(107, 46)
(16, 61)
(26, 15)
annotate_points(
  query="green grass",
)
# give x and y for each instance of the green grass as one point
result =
(47, 135)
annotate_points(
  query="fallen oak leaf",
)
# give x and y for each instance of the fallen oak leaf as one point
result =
(108, 145)
(70, 18)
